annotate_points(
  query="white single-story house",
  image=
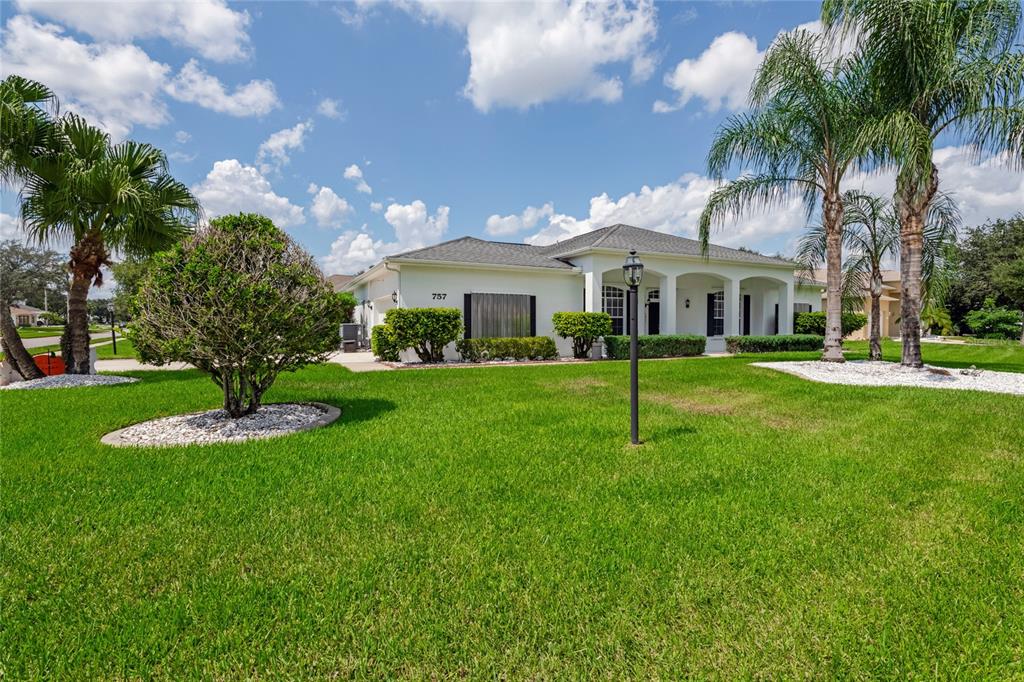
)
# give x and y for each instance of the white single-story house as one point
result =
(24, 315)
(510, 289)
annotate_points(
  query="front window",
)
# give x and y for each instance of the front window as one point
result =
(718, 313)
(500, 315)
(613, 302)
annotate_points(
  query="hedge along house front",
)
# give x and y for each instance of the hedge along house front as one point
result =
(510, 290)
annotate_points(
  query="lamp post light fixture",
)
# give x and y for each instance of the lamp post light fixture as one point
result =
(633, 273)
(113, 335)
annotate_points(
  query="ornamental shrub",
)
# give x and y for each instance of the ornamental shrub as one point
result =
(583, 328)
(512, 348)
(814, 323)
(994, 322)
(656, 346)
(772, 344)
(241, 301)
(51, 318)
(426, 330)
(383, 343)
(348, 305)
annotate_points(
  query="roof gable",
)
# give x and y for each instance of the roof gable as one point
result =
(471, 250)
(629, 237)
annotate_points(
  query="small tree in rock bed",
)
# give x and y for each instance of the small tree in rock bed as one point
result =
(241, 301)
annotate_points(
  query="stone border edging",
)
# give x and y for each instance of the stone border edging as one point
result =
(331, 415)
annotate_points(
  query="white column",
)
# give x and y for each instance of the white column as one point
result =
(668, 305)
(786, 308)
(592, 284)
(732, 307)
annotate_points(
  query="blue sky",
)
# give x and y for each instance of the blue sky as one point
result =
(366, 129)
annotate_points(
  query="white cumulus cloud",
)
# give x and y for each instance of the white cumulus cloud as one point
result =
(524, 54)
(498, 226)
(231, 187)
(330, 108)
(209, 27)
(10, 227)
(414, 227)
(273, 152)
(984, 189)
(675, 208)
(115, 86)
(328, 208)
(182, 137)
(355, 174)
(720, 76)
(193, 84)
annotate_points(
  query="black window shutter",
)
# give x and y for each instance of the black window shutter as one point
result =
(711, 314)
(467, 316)
(533, 316)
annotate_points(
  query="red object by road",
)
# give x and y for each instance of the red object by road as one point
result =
(49, 363)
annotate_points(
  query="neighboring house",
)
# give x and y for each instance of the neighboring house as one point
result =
(25, 315)
(509, 289)
(888, 304)
(339, 281)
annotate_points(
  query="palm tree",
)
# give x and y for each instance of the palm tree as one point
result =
(940, 67)
(800, 139)
(872, 237)
(26, 125)
(102, 197)
(26, 130)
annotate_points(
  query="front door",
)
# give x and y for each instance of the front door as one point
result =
(654, 317)
(745, 322)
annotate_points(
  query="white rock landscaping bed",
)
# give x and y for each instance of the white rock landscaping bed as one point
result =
(215, 426)
(68, 381)
(865, 373)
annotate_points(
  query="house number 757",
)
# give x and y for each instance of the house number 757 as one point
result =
(439, 297)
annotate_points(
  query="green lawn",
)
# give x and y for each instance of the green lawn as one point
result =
(493, 523)
(1001, 356)
(125, 350)
(39, 332)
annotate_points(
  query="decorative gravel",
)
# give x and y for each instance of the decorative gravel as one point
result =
(864, 373)
(216, 426)
(69, 381)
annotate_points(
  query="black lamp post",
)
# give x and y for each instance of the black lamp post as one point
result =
(113, 335)
(633, 272)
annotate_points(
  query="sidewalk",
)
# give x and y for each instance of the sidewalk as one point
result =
(356, 362)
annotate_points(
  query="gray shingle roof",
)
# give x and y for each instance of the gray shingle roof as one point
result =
(479, 251)
(473, 250)
(649, 241)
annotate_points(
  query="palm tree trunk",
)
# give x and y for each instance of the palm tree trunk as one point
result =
(912, 206)
(876, 329)
(832, 215)
(88, 256)
(78, 326)
(13, 347)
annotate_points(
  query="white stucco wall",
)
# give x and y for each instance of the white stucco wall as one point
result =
(676, 278)
(435, 286)
(806, 293)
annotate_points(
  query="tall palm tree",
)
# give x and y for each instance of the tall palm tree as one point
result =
(103, 197)
(799, 138)
(27, 109)
(26, 131)
(940, 67)
(872, 237)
